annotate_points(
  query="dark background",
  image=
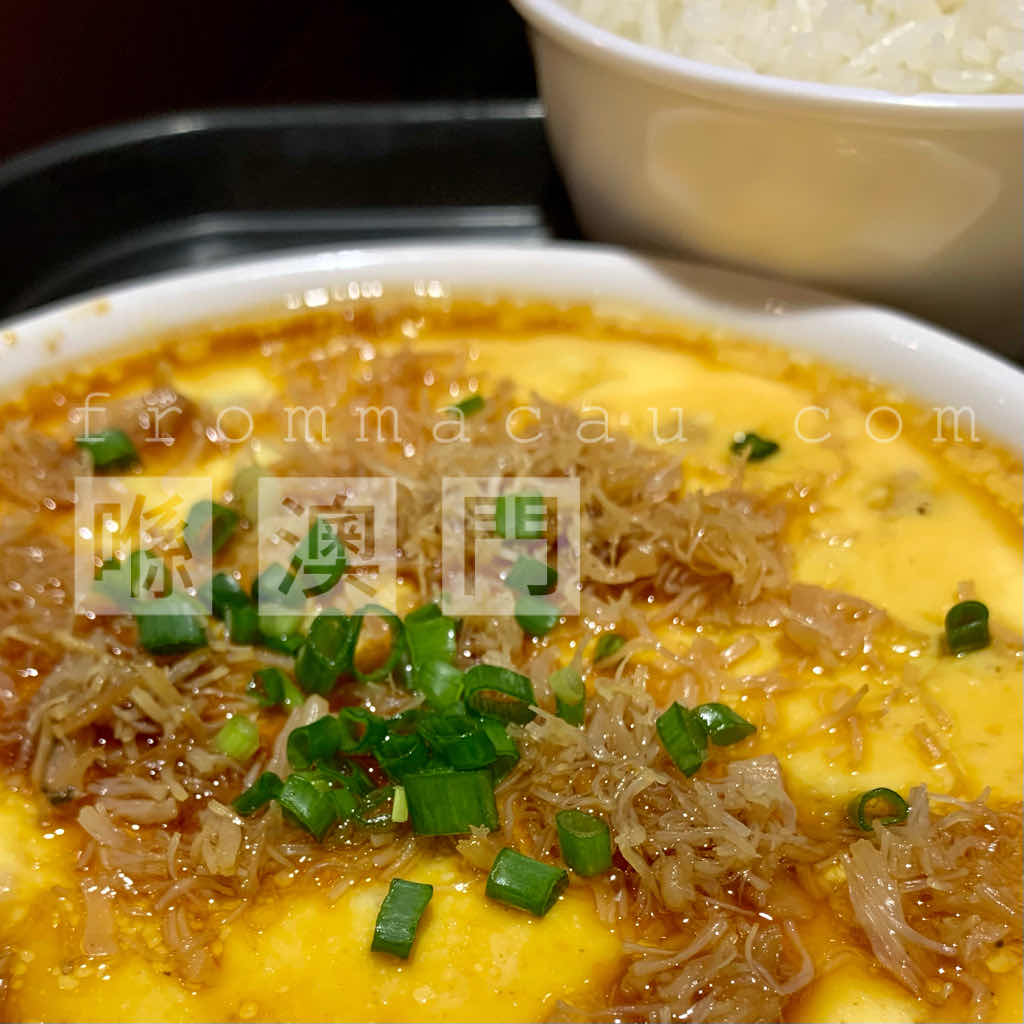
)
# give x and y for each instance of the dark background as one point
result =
(67, 67)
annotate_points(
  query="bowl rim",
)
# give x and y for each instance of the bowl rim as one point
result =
(924, 362)
(555, 19)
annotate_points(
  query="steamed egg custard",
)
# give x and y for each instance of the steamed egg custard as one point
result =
(728, 730)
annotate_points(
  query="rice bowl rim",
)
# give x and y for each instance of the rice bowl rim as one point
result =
(661, 67)
(927, 363)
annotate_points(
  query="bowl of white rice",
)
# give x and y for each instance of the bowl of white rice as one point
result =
(872, 146)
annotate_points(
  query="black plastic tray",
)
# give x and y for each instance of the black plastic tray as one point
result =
(196, 189)
(192, 190)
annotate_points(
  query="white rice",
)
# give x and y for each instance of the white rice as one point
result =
(905, 46)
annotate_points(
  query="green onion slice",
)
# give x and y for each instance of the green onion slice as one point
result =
(520, 516)
(607, 645)
(399, 917)
(266, 788)
(270, 687)
(399, 806)
(585, 842)
(224, 591)
(312, 806)
(356, 778)
(532, 577)
(316, 743)
(361, 730)
(682, 735)
(570, 693)
(440, 683)
(281, 606)
(276, 636)
(499, 693)
(243, 624)
(755, 447)
(428, 640)
(505, 749)
(425, 613)
(178, 626)
(147, 572)
(967, 627)
(346, 803)
(863, 809)
(460, 740)
(397, 643)
(275, 592)
(376, 810)
(723, 725)
(245, 491)
(446, 802)
(398, 754)
(468, 405)
(143, 576)
(319, 561)
(209, 523)
(536, 615)
(523, 882)
(110, 448)
(328, 651)
(238, 738)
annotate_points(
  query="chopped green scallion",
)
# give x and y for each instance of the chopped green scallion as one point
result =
(440, 683)
(376, 811)
(536, 615)
(238, 738)
(450, 802)
(319, 561)
(523, 882)
(468, 405)
(682, 735)
(585, 842)
(607, 645)
(430, 636)
(499, 693)
(110, 449)
(520, 516)
(178, 625)
(753, 446)
(266, 788)
(570, 693)
(243, 624)
(274, 637)
(316, 743)
(312, 806)
(532, 577)
(209, 523)
(361, 730)
(723, 725)
(224, 591)
(461, 741)
(396, 650)
(245, 491)
(967, 627)
(399, 806)
(399, 754)
(327, 651)
(399, 917)
(863, 813)
(505, 749)
(270, 687)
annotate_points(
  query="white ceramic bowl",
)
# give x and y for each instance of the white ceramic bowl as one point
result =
(913, 201)
(935, 367)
